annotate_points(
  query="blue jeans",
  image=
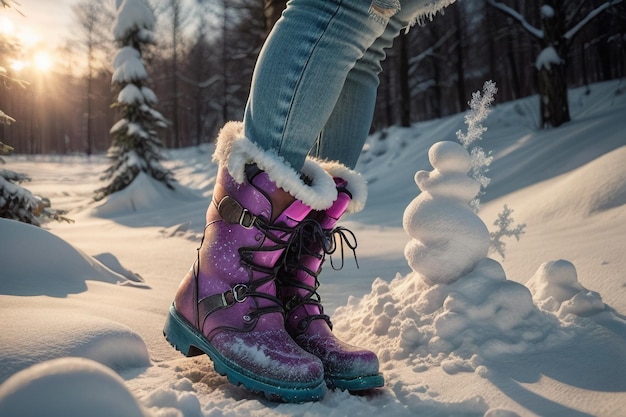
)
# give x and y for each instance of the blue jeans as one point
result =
(314, 86)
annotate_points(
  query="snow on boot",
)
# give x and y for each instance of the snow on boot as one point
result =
(226, 305)
(346, 367)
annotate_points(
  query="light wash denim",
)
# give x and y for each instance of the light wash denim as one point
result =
(314, 86)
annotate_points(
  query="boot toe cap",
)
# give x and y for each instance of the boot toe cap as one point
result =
(340, 358)
(270, 355)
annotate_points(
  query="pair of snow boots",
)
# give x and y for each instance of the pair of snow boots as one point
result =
(250, 299)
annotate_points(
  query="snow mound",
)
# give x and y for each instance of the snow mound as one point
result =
(34, 262)
(598, 186)
(480, 316)
(69, 387)
(142, 195)
(484, 313)
(555, 288)
(31, 335)
(114, 264)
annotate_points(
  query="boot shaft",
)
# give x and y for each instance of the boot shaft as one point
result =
(298, 281)
(243, 214)
(240, 252)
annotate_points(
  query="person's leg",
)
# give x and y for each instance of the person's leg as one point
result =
(344, 134)
(302, 68)
(345, 367)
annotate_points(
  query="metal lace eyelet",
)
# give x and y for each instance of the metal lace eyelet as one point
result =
(247, 318)
(304, 323)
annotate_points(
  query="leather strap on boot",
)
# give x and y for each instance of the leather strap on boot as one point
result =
(208, 305)
(234, 213)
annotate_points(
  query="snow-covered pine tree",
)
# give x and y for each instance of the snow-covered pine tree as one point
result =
(18, 203)
(136, 147)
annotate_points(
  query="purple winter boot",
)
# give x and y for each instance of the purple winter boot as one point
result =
(226, 305)
(346, 367)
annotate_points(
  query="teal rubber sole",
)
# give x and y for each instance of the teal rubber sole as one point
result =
(361, 383)
(190, 342)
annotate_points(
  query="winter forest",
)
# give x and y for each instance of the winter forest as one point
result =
(201, 64)
(485, 272)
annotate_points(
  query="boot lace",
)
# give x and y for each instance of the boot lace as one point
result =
(246, 253)
(311, 239)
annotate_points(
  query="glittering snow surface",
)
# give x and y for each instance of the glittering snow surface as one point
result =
(459, 331)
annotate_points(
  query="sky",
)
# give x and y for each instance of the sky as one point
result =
(48, 21)
(43, 29)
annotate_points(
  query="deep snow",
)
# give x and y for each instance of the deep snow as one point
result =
(541, 332)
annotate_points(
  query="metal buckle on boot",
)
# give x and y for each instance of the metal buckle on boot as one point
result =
(240, 293)
(210, 304)
(234, 213)
(246, 220)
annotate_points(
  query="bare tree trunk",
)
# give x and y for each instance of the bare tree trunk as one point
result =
(460, 69)
(405, 88)
(225, 60)
(437, 97)
(273, 10)
(88, 116)
(510, 54)
(175, 6)
(553, 103)
(552, 76)
(585, 74)
(95, 20)
(437, 93)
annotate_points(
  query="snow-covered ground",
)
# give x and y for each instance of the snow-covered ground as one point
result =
(542, 332)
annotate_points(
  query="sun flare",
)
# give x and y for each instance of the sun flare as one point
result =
(28, 53)
(42, 61)
(6, 26)
(17, 66)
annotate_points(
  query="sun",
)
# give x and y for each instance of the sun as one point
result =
(32, 52)
(42, 61)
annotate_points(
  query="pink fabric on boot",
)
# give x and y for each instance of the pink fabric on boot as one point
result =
(346, 366)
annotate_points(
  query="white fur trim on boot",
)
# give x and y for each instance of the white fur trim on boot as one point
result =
(357, 186)
(235, 151)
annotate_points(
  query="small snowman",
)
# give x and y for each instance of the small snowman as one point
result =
(448, 238)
